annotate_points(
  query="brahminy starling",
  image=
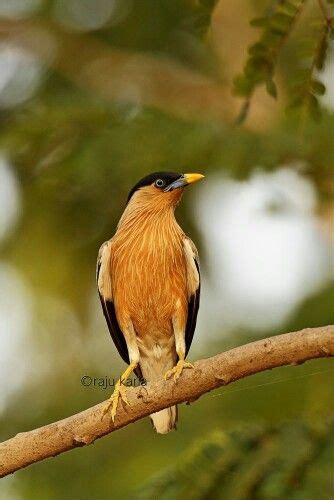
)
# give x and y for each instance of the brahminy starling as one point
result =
(148, 280)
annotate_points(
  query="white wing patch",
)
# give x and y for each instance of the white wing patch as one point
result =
(104, 277)
(191, 256)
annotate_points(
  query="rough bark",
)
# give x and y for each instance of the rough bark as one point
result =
(85, 427)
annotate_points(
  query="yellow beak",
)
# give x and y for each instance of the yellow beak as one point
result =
(191, 178)
(183, 181)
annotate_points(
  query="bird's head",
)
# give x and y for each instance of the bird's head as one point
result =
(161, 189)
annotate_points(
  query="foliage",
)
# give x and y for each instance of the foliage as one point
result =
(258, 462)
(312, 55)
(260, 66)
(202, 18)
(277, 26)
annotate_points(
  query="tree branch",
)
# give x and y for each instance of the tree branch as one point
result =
(84, 428)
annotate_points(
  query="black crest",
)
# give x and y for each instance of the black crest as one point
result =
(166, 177)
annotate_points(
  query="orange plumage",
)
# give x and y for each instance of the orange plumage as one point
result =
(148, 274)
(149, 269)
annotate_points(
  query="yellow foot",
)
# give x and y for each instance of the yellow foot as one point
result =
(177, 370)
(119, 393)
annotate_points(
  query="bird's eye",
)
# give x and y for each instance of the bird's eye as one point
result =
(160, 183)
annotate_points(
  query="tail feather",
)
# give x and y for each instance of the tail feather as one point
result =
(153, 366)
(165, 420)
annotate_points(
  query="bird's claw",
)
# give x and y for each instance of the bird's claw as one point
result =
(177, 369)
(119, 393)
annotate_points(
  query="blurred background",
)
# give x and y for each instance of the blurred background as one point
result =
(95, 95)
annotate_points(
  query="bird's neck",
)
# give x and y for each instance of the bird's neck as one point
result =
(159, 223)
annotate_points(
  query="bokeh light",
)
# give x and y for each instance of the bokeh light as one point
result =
(267, 252)
(15, 324)
(85, 15)
(19, 8)
(20, 75)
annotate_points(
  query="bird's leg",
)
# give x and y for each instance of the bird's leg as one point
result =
(179, 334)
(177, 369)
(120, 387)
(119, 392)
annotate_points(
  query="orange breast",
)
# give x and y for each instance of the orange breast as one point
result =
(148, 280)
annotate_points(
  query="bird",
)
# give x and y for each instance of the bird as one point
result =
(148, 280)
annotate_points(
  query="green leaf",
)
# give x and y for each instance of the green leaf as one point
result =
(318, 87)
(281, 22)
(258, 49)
(202, 16)
(287, 8)
(259, 22)
(242, 86)
(314, 108)
(271, 88)
(296, 101)
(259, 69)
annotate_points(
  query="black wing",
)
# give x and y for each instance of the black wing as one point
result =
(110, 315)
(193, 303)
